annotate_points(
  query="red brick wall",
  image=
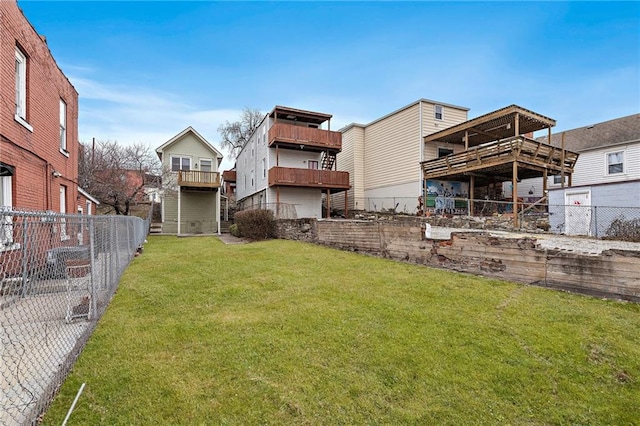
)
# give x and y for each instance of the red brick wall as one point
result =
(36, 154)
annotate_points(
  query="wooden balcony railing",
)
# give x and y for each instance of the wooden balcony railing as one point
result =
(307, 136)
(527, 151)
(229, 175)
(313, 178)
(197, 179)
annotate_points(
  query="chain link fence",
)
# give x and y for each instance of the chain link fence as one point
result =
(606, 222)
(57, 275)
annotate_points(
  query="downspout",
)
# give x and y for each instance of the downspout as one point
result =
(422, 183)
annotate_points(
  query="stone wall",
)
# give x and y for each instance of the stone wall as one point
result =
(612, 273)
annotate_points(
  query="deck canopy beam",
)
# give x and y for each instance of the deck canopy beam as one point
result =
(496, 125)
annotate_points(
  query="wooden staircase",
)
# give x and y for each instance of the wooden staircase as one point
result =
(328, 160)
(156, 228)
(224, 226)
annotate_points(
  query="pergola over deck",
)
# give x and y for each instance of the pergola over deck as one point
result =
(495, 149)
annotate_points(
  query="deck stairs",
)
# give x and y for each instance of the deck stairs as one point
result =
(328, 160)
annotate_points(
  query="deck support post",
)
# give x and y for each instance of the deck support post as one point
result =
(514, 194)
(472, 194)
(179, 209)
(328, 203)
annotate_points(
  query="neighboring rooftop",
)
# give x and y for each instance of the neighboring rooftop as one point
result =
(608, 133)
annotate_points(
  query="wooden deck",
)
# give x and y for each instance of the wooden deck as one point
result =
(496, 159)
(301, 137)
(310, 178)
(195, 179)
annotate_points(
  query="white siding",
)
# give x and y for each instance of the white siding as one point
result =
(591, 167)
(307, 201)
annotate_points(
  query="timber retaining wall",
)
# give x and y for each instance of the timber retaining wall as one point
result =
(611, 273)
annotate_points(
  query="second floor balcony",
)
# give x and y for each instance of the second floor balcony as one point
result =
(310, 178)
(300, 137)
(196, 179)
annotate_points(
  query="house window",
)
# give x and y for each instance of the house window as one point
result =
(443, 152)
(264, 168)
(21, 85)
(180, 163)
(6, 204)
(615, 162)
(63, 126)
(252, 175)
(439, 112)
(557, 179)
(206, 165)
(312, 164)
(63, 211)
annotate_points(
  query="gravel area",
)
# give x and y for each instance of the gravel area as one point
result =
(548, 241)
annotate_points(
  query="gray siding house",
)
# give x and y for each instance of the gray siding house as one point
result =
(191, 196)
(606, 181)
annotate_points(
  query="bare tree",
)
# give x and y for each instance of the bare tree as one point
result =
(116, 174)
(235, 134)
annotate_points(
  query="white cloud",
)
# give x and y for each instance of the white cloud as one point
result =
(142, 115)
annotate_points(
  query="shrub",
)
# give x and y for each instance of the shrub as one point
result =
(255, 224)
(233, 230)
(625, 230)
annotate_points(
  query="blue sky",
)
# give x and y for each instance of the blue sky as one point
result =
(146, 70)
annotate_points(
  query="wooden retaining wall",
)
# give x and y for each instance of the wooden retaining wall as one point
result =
(612, 273)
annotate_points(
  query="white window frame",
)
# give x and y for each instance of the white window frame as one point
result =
(63, 211)
(205, 160)
(181, 157)
(438, 110)
(264, 168)
(6, 223)
(63, 127)
(557, 179)
(252, 178)
(608, 164)
(21, 89)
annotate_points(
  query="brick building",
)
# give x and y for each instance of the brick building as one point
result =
(38, 122)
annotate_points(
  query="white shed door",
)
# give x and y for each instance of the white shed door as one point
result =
(578, 213)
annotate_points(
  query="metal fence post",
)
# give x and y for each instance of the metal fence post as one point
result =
(25, 279)
(595, 218)
(92, 262)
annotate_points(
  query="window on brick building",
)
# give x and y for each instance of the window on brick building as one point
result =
(6, 205)
(63, 126)
(21, 85)
(63, 211)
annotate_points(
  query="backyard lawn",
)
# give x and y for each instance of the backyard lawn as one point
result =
(282, 332)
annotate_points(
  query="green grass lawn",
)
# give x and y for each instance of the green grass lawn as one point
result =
(282, 332)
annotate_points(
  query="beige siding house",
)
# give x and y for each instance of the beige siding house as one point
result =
(191, 198)
(383, 157)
